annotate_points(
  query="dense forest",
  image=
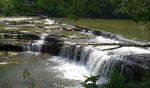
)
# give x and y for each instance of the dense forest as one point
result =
(136, 9)
(61, 8)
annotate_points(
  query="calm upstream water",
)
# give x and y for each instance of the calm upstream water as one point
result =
(47, 71)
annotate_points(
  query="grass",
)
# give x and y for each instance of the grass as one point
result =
(126, 28)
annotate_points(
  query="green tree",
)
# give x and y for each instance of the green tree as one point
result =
(7, 7)
(50, 6)
(100, 8)
(138, 10)
(75, 11)
(26, 6)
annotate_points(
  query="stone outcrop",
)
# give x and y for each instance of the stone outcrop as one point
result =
(133, 66)
(18, 35)
(14, 41)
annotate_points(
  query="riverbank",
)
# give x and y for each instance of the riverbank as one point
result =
(126, 28)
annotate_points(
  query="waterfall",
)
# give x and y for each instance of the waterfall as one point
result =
(36, 46)
(99, 62)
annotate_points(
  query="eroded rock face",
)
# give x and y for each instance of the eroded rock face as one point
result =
(18, 35)
(14, 41)
(11, 47)
(133, 66)
(16, 32)
(102, 63)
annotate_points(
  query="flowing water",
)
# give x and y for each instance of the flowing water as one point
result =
(99, 62)
(36, 46)
(47, 72)
(69, 68)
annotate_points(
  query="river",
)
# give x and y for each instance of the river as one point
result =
(46, 71)
(32, 67)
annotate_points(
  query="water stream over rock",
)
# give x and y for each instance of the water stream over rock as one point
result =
(99, 62)
(72, 62)
(36, 46)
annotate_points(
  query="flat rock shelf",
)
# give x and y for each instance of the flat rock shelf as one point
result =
(58, 55)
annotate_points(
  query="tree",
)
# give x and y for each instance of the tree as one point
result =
(138, 10)
(7, 7)
(100, 8)
(75, 10)
(26, 6)
(50, 6)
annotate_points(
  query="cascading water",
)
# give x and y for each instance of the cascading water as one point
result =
(96, 62)
(37, 45)
(99, 62)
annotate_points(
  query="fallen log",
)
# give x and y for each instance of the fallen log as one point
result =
(110, 44)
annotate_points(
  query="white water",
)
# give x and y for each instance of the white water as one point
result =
(48, 21)
(120, 51)
(78, 62)
(100, 39)
(70, 69)
(99, 62)
(35, 47)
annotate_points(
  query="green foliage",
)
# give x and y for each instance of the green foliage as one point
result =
(52, 7)
(7, 7)
(28, 80)
(75, 10)
(48, 4)
(138, 10)
(116, 81)
(24, 6)
(10, 7)
(90, 82)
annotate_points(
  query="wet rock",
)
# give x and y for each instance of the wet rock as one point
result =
(53, 48)
(42, 17)
(18, 35)
(133, 66)
(53, 45)
(4, 59)
(10, 47)
(14, 40)
(30, 36)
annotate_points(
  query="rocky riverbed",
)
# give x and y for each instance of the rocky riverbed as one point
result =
(46, 41)
(16, 31)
